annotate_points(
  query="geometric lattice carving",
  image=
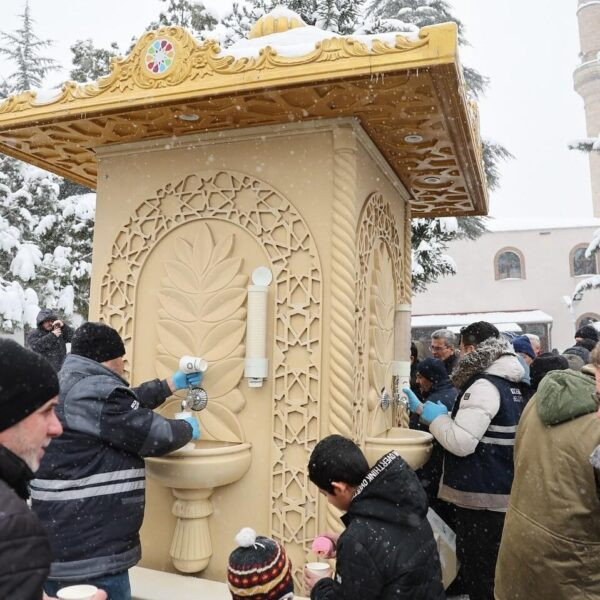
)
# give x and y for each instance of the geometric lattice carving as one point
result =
(377, 226)
(405, 89)
(284, 236)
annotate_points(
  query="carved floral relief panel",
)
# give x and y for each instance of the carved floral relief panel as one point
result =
(380, 284)
(382, 306)
(202, 298)
(202, 307)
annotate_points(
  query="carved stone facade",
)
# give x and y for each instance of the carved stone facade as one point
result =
(202, 311)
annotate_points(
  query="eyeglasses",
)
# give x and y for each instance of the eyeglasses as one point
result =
(437, 348)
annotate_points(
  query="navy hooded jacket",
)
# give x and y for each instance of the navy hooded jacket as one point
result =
(442, 391)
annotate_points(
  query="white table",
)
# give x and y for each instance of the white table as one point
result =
(147, 584)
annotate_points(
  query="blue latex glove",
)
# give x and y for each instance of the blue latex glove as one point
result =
(432, 410)
(195, 427)
(183, 381)
(413, 402)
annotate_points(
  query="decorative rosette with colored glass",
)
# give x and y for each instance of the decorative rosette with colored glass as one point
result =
(160, 56)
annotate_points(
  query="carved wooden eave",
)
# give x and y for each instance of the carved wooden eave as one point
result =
(413, 88)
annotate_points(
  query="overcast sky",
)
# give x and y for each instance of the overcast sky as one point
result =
(527, 49)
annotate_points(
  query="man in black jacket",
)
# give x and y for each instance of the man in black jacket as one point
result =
(28, 395)
(50, 338)
(387, 551)
(89, 491)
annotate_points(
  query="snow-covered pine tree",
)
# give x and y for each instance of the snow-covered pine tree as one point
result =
(420, 13)
(91, 63)
(45, 232)
(431, 261)
(430, 240)
(22, 47)
(184, 13)
(341, 16)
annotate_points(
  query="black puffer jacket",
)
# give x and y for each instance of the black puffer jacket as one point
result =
(24, 548)
(50, 346)
(387, 551)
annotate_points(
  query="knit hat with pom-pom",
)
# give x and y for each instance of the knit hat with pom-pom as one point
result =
(259, 568)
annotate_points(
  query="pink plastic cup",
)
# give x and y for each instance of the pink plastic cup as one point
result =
(322, 546)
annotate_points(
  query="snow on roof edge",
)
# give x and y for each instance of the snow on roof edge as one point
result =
(302, 40)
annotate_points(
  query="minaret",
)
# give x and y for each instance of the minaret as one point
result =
(587, 82)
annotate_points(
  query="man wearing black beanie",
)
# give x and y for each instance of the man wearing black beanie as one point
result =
(89, 490)
(28, 395)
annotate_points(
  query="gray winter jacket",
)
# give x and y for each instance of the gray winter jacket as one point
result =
(89, 490)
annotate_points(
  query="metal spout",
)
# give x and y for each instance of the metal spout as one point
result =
(196, 399)
(400, 399)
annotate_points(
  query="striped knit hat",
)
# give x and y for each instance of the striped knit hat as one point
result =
(259, 569)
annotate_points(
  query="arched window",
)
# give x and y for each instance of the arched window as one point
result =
(580, 265)
(587, 319)
(509, 264)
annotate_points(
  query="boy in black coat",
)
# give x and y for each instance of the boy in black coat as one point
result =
(387, 550)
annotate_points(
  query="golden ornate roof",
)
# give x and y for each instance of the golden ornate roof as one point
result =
(409, 97)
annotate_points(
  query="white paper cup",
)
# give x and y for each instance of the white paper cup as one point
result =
(183, 415)
(319, 569)
(77, 592)
(322, 569)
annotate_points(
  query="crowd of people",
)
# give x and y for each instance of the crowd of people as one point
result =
(514, 471)
(514, 465)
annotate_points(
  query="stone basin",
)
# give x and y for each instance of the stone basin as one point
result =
(201, 464)
(412, 445)
(192, 473)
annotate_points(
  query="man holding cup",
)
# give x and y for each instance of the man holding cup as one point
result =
(89, 491)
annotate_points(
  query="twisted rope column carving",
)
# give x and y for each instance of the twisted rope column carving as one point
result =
(343, 284)
(406, 292)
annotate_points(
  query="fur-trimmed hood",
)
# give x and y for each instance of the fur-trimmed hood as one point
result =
(495, 356)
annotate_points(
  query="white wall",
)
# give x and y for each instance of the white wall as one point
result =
(547, 279)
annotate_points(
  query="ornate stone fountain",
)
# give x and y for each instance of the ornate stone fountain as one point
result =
(307, 155)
